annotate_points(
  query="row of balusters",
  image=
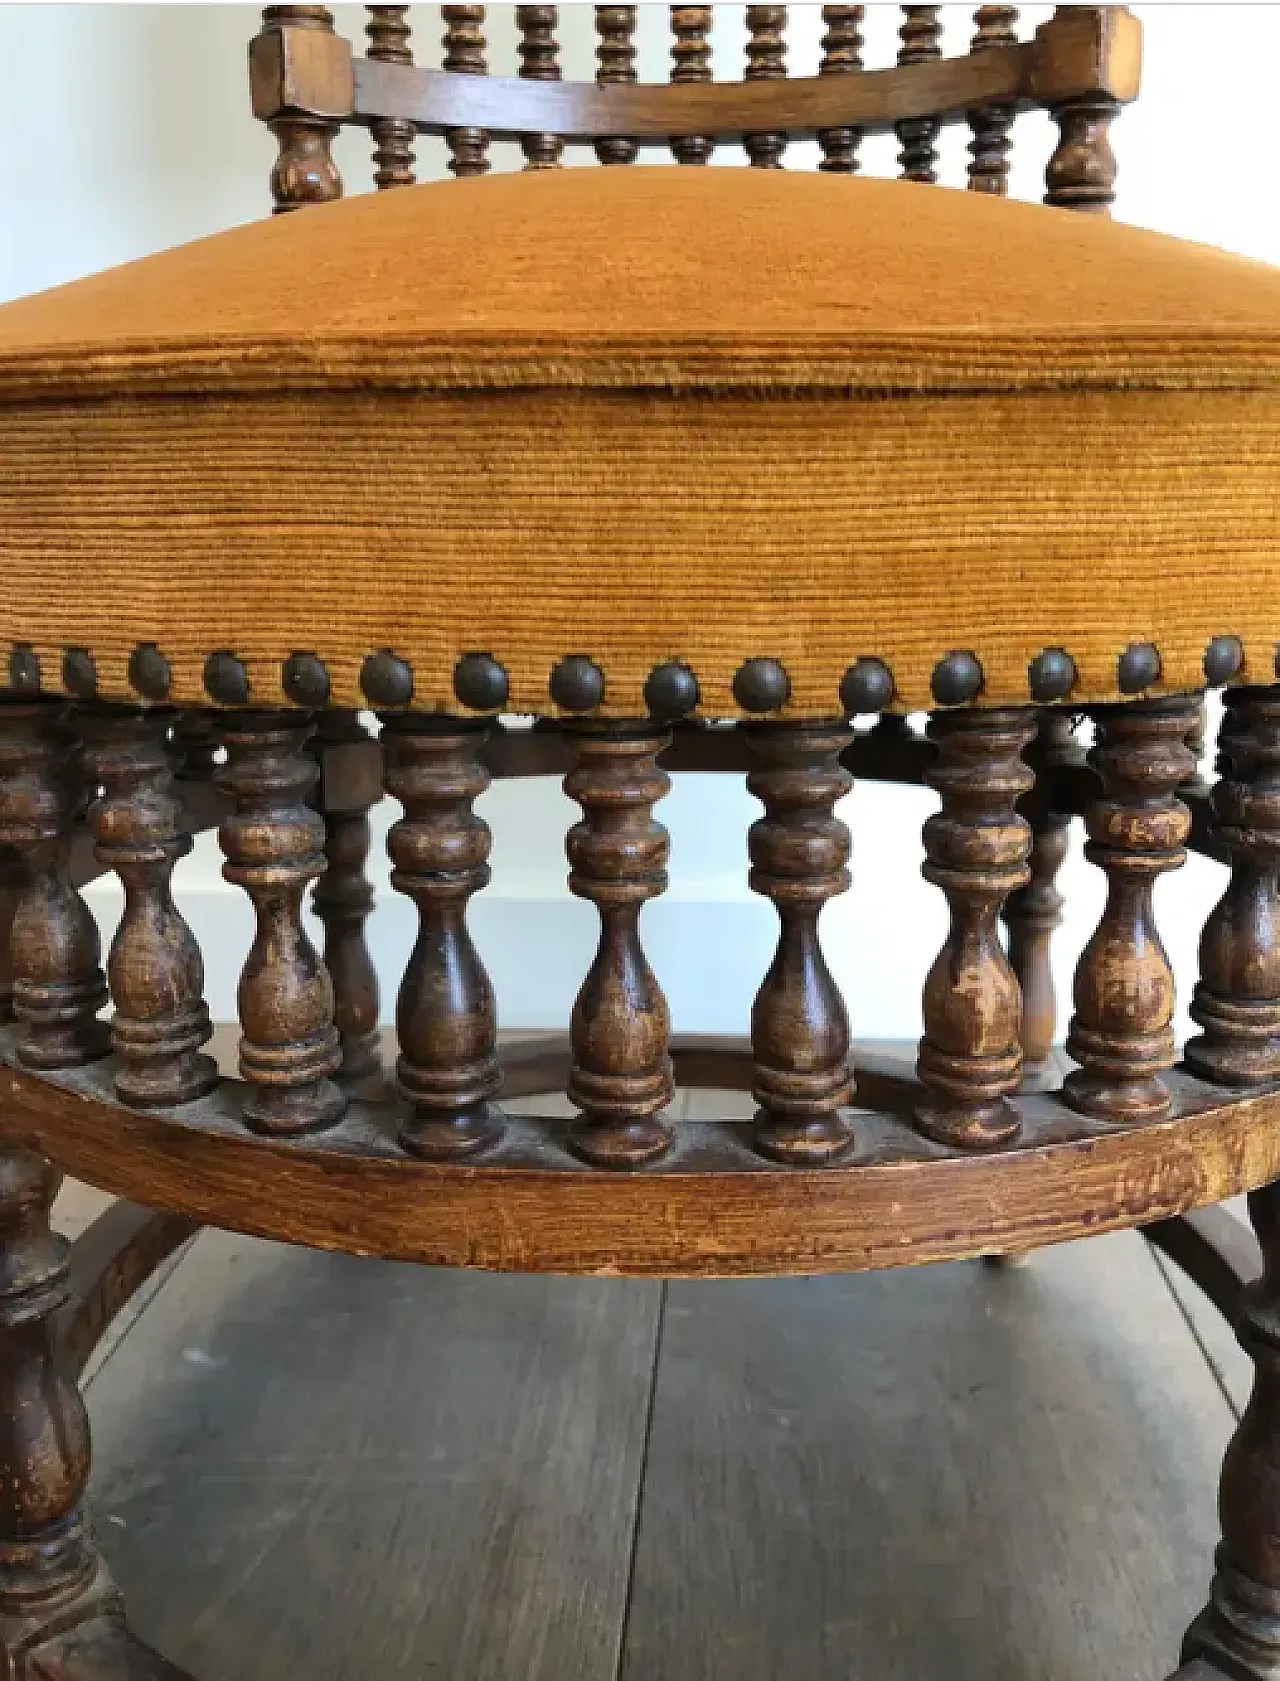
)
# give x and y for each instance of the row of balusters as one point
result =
(296, 1036)
(1081, 173)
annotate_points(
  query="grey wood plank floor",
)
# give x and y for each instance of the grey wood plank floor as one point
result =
(312, 1468)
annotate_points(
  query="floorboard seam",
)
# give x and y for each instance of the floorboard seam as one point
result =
(1162, 1267)
(624, 1625)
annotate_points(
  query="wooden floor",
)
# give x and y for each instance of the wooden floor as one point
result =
(311, 1468)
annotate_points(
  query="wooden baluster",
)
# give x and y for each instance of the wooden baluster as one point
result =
(921, 37)
(1081, 174)
(976, 851)
(841, 56)
(1032, 913)
(990, 146)
(393, 137)
(343, 896)
(304, 171)
(691, 64)
(1124, 997)
(445, 1015)
(1196, 787)
(1238, 1632)
(616, 64)
(50, 1575)
(10, 881)
(1237, 999)
(620, 1069)
(58, 986)
(802, 1074)
(154, 966)
(766, 62)
(464, 50)
(540, 62)
(272, 842)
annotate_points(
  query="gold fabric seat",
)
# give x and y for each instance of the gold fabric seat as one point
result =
(646, 416)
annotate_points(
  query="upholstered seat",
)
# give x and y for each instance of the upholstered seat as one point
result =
(647, 416)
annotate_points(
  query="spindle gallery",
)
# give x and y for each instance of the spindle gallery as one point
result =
(475, 484)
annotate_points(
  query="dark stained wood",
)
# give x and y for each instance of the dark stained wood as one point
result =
(10, 882)
(841, 56)
(1124, 993)
(304, 172)
(464, 54)
(616, 67)
(343, 896)
(766, 62)
(393, 137)
(101, 1650)
(1082, 171)
(691, 66)
(990, 147)
(110, 1261)
(1237, 998)
(154, 968)
(58, 985)
(802, 1076)
(921, 35)
(1239, 1630)
(446, 1018)
(976, 852)
(540, 62)
(273, 845)
(1217, 1251)
(620, 1075)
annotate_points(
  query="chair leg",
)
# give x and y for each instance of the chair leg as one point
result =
(1238, 1632)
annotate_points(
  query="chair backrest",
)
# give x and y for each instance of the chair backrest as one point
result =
(1081, 66)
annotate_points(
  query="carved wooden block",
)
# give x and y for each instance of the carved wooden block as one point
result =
(58, 985)
(273, 846)
(1124, 997)
(799, 850)
(841, 56)
(464, 55)
(393, 137)
(304, 171)
(766, 62)
(977, 847)
(1237, 999)
(620, 1072)
(154, 967)
(446, 1018)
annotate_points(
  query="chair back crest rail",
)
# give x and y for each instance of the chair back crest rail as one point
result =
(1081, 65)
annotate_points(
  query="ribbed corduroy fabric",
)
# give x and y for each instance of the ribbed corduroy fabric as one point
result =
(649, 414)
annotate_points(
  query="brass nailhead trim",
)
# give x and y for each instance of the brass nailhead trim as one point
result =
(80, 673)
(957, 678)
(1139, 668)
(305, 679)
(577, 684)
(481, 682)
(226, 678)
(1222, 659)
(671, 691)
(867, 686)
(149, 673)
(24, 669)
(1051, 675)
(386, 679)
(761, 685)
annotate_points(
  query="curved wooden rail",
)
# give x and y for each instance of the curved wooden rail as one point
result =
(713, 1208)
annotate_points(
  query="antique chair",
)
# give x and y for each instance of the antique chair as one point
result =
(785, 453)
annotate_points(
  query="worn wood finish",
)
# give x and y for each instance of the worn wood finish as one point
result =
(1124, 994)
(10, 882)
(766, 62)
(154, 968)
(464, 55)
(58, 985)
(1237, 998)
(841, 56)
(921, 36)
(343, 896)
(691, 66)
(273, 845)
(540, 62)
(620, 1075)
(1239, 1630)
(446, 1019)
(976, 851)
(304, 171)
(616, 67)
(1082, 171)
(799, 851)
(393, 137)
(990, 147)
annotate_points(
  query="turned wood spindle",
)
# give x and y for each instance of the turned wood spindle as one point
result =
(47, 1561)
(620, 1068)
(1033, 913)
(690, 65)
(766, 62)
(273, 843)
(1238, 1632)
(154, 967)
(393, 137)
(799, 850)
(990, 147)
(976, 850)
(616, 64)
(921, 37)
(446, 1019)
(1124, 996)
(343, 898)
(1237, 998)
(540, 62)
(841, 56)
(304, 172)
(464, 55)
(58, 984)
(1081, 173)
(10, 881)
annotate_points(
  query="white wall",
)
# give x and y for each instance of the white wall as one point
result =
(126, 128)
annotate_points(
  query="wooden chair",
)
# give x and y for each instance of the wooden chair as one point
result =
(112, 752)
